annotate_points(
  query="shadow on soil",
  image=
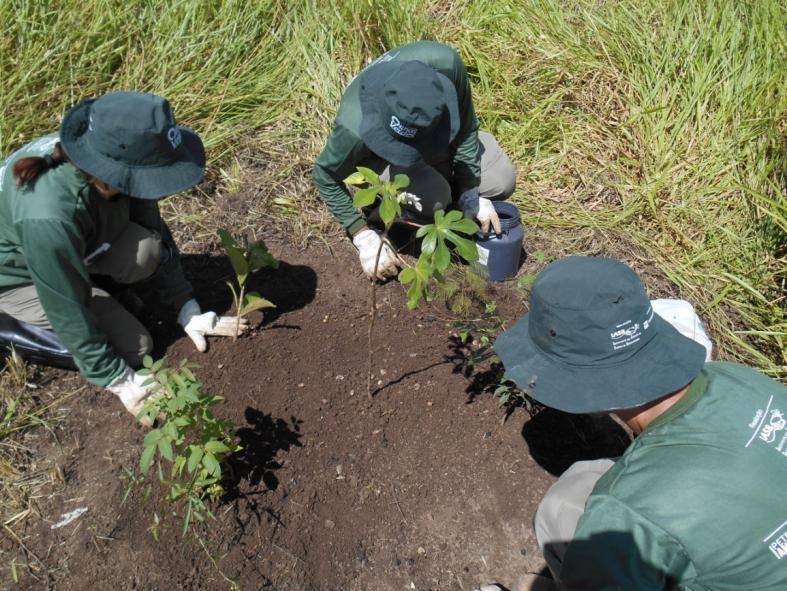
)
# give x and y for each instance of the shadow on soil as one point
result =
(290, 287)
(557, 439)
(262, 439)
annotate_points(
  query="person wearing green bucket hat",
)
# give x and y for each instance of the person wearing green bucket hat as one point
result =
(80, 207)
(696, 501)
(411, 111)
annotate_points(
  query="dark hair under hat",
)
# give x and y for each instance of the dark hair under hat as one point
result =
(409, 111)
(130, 141)
(591, 341)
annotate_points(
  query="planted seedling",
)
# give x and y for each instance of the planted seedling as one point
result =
(435, 255)
(246, 258)
(192, 440)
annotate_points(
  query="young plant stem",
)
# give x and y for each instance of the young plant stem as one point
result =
(238, 304)
(373, 314)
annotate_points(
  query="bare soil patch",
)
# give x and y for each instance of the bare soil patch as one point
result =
(421, 485)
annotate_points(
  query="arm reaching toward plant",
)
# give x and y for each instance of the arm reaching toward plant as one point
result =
(199, 325)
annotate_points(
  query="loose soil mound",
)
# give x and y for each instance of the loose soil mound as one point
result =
(423, 486)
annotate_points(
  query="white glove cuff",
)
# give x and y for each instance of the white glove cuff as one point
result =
(188, 311)
(126, 375)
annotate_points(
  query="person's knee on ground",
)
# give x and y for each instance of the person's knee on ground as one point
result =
(498, 175)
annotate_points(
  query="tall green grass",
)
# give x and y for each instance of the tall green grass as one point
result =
(648, 129)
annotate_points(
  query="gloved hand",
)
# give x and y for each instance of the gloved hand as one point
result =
(129, 388)
(480, 208)
(368, 243)
(198, 325)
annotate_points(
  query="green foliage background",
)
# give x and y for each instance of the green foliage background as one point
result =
(650, 129)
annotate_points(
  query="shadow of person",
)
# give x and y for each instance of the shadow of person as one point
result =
(607, 560)
(557, 439)
(256, 462)
(290, 287)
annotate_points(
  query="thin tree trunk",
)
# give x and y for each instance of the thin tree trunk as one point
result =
(373, 315)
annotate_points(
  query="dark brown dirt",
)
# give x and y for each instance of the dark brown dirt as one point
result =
(422, 486)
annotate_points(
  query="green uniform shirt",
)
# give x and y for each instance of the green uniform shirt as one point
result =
(47, 228)
(345, 149)
(699, 499)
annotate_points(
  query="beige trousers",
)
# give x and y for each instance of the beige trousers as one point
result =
(132, 257)
(559, 511)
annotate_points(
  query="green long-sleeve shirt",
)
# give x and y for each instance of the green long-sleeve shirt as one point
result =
(345, 150)
(46, 231)
(699, 501)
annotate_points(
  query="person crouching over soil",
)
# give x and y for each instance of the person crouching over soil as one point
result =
(411, 111)
(84, 203)
(697, 500)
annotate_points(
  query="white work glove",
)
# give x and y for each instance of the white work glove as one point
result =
(128, 386)
(368, 243)
(480, 208)
(198, 325)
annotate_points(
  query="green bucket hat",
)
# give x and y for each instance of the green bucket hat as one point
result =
(130, 141)
(409, 111)
(591, 341)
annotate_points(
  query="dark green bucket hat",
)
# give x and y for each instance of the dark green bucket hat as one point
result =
(130, 141)
(591, 341)
(409, 111)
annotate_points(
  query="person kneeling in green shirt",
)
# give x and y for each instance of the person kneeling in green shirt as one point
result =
(696, 502)
(84, 203)
(411, 111)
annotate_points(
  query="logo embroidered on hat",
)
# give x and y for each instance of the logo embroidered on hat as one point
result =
(174, 137)
(401, 129)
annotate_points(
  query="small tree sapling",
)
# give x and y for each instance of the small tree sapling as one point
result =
(191, 439)
(246, 258)
(435, 255)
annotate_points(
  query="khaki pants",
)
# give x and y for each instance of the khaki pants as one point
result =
(560, 509)
(498, 178)
(132, 257)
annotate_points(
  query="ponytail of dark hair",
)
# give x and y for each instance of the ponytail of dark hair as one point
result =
(26, 170)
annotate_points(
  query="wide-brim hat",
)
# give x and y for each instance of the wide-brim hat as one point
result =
(130, 141)
(592, 342)
(409, 111)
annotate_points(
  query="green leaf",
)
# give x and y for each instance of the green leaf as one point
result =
(211, 465)
(466, 226)
(254, 301)
(400, 181)
(259, 257)
(388, 209)
(452, 216)
(369, 175)
(152, 438)
(165, 448)
(146, 459)
(466, 248)
(355, 178)
(442, 257)
(195, 456)
(147, 361)
(216, 447)
(364, 197)
(236, 256)
(407, 275)
(429, 243)
(424, 230)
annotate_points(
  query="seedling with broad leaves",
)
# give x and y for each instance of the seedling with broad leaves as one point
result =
(435, 255)
(246, 258)
(191, 440)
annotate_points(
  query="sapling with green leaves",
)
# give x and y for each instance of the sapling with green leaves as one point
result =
(435, 255)
(246, 258)
(190, 438)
